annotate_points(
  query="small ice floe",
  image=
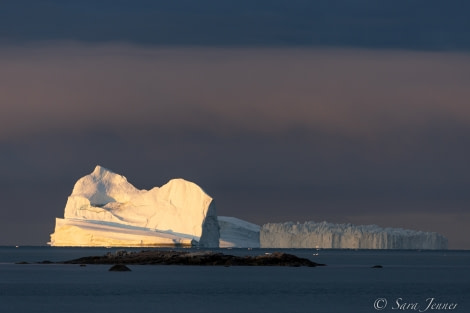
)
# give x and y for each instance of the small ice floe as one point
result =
(267, 253)
(315, 253)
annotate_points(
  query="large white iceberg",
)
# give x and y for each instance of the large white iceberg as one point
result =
(346, 236)
(237, 233)
(104, 209)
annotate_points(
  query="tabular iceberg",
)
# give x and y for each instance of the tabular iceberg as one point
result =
(237, 233)
(104, 209)
(346, 236)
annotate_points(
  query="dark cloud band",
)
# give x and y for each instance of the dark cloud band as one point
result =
(349, 92)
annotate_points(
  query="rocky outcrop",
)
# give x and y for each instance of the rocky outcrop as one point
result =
(156, 257)
(118, 268)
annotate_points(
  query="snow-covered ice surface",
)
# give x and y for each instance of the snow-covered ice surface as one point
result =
(346, 236)
(104, 209)
(238, 233)
(347, 284)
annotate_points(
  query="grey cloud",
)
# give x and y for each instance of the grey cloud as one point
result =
(272, 134)
(399, 24)
(263, 90)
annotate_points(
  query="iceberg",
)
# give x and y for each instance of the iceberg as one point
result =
(237, 233)
(346, 236)
(104, 209)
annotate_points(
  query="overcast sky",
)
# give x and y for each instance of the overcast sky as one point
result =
(280, 110)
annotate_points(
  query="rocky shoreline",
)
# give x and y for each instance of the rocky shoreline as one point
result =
(207, 258)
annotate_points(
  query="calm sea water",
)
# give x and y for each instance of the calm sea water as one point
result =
(410, 281)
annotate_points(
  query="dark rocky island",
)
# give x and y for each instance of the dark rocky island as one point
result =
(118, 268)
(156, 257)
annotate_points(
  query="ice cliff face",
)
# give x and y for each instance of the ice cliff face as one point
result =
(237, 233)
(104, 209)
(328, 235)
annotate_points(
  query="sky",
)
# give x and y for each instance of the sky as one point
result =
(345, 111)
